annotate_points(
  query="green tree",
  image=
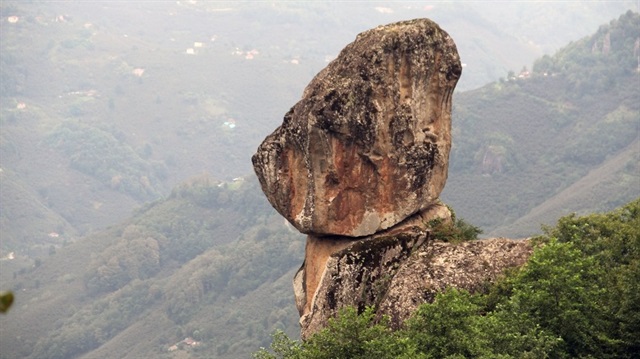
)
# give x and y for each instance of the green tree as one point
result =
(448, 327)
(559, 290)
(6, 300)
(349, 335)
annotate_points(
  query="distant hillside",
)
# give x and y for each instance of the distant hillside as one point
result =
(205, 257)
(107, 105)
(213, 262)
(616, 179)
(563, 135)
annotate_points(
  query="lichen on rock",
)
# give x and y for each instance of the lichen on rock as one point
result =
(358, 164)
(368, 144)
(397, 273)
(357, 272)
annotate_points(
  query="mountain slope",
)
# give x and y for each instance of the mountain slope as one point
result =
(520, 142)
(616, 180)
(213, 262)
(107, 105)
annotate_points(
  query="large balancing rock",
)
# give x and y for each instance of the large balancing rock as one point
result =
(368, 144)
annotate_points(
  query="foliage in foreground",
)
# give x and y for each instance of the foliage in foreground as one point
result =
(6, 299)
(578, 296)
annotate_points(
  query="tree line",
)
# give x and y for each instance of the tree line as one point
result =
(578, 296)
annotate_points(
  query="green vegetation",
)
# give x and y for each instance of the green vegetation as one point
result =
(593, 64)
(518, 144)
(100, 154)
(118, 77)
(577, 297)
(457, 230)
(351, 335)
(86, 137)
(212, 261)
(6, 299)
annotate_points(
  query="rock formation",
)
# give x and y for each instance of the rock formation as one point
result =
(358, 165)
(368, 144)
(396, 274)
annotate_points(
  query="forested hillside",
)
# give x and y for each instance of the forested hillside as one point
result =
(107, 105)
(213, 262)
(572, 123)
(104, 110)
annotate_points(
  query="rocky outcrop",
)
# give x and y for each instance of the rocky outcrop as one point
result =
(395, 273)
(338, 272)
(368, 144)
(358, 164)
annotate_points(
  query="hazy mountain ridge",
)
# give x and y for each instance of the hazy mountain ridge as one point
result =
(564, 121)
(193, 264)
(101, 296)
(600, 189)
(123, 72)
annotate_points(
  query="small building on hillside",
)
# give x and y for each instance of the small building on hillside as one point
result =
(229, 123)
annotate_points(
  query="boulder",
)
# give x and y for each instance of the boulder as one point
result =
(395, 274)
(358, 164)
(339, 272)
(368, 144)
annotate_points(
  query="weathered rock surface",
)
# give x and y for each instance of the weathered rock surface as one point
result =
(338, 271)
(358, 164)
(368, 144)
(396, 273)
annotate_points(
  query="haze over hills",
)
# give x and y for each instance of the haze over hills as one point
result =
(212, 262)
(563, 136)
(107, 105)
(106, 110)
